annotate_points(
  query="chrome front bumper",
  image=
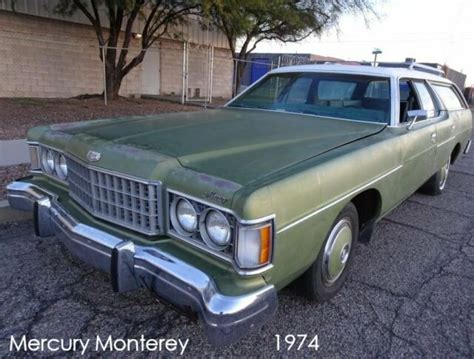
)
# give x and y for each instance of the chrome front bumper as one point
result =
(224, 318)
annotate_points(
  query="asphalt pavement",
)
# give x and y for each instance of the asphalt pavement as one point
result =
(410, 292)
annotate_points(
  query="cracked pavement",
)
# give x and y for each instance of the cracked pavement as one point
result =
(410, 292)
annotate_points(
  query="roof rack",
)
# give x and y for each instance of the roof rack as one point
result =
(414, 66)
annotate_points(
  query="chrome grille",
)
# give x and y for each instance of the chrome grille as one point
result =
(129, 202)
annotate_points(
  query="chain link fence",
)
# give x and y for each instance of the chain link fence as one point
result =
(58, 66)
(252, 70)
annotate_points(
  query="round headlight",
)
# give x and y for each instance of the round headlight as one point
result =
(47, 161)
(60, 166)
(217, 229)
(186, 215)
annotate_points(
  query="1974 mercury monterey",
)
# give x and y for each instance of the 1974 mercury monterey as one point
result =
(215, 211)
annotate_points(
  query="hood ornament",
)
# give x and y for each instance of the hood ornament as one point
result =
(93, 156)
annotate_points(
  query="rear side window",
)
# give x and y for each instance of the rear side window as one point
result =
(449, 97)
(425, 98)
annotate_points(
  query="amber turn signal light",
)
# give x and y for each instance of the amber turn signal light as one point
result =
(265, 244)
(254, 245)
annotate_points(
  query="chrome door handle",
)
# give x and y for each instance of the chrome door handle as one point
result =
(433, 137)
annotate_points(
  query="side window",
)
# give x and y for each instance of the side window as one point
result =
(425, 98)
(405, 90)
(448, 96)
(408, 99)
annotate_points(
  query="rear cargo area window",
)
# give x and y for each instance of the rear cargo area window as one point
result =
(449, 97)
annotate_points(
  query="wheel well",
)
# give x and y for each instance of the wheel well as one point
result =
(455, 153)
(368, 205)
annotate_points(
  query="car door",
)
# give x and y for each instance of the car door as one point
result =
(446, 128)
(419, 141)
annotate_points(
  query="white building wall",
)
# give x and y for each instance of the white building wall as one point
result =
(49, 58)
(189, 30)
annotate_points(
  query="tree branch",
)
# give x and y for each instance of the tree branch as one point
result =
(128, 34)
(95, 21)
(146, 28)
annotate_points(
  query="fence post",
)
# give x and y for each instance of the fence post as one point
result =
(184, 73)
(211, 75)
(104, 74)
(186, 83)
(234, 85)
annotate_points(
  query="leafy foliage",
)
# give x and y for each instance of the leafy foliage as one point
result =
(249, 21)
(252, 21)
(283, 20)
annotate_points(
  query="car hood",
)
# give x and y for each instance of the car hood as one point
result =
(238, 145)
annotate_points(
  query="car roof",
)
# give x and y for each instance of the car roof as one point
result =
(393, 72)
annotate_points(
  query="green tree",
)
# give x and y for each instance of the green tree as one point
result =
(115, 36)
(248, 22)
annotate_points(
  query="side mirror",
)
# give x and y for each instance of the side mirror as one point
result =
(415, 115)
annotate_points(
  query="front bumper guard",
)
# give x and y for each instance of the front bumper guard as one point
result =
(224, 318)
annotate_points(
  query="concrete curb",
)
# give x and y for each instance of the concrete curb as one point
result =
(14, 152)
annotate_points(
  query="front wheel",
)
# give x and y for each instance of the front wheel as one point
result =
(328, 273)
(436, 184)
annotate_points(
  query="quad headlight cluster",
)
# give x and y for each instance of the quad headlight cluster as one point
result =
(248, 246)
(49, 161)
(193, 220)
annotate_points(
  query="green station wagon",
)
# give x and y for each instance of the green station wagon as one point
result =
(215, 211)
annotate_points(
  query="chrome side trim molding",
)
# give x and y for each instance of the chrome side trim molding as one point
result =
(346, 196)
(446, 141)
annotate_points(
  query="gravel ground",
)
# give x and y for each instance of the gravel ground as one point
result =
(10, 173)
(17, 115)
(410, 292)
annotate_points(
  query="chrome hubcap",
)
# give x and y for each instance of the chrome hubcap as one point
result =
(444, 174)
(337, 251)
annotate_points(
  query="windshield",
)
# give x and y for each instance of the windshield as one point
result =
(353, 97)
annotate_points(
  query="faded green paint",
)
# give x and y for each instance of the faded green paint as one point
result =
(304, 169)
(236, 145)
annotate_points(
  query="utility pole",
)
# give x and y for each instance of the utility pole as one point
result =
(375, 53)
